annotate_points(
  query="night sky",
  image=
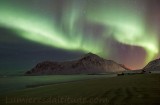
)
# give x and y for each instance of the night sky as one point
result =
(31, 31)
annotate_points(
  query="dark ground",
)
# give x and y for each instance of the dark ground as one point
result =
(140, 89)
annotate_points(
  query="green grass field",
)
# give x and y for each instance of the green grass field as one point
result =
(141, 89)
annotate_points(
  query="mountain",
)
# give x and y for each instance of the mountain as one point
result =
(125, 67)
(87, 64)
(153, 65)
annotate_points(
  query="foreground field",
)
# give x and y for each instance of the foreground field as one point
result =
(13, 83)
(142, 89)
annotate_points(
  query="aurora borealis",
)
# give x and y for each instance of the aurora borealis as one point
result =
(126, 31)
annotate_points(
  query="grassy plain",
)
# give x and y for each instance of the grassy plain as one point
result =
(140, 89)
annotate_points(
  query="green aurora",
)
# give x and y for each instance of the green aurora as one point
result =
(127, 25)
(124, 24)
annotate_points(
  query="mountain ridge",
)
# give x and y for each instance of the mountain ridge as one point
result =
(153, 65)
(87, 64)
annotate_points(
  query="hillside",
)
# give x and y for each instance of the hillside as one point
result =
(153, 65)
(87, 64)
